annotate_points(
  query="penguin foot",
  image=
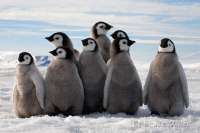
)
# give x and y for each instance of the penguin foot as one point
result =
(154, 113)
(130, 113)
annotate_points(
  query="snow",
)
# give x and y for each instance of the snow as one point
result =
(101, 122)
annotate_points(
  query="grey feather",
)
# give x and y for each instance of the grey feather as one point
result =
(65, 92)
(38, 81)
(25, 98)
(147, 84)
(165, 86)
(183, 81)
(123, 89)
(104, 44)
(93, 71)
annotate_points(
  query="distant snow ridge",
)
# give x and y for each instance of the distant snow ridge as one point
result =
(42, 61)
(8, 59)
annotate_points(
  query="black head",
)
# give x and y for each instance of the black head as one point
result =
(119, 34)
(25, 58)
(122, 44)
(100, 28)
(62, 53)
(90, 44)
(59, 39)
(166, 46)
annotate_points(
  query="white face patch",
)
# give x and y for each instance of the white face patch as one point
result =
(123, 45)
(168, 49)
(91, 46)
(57, 40)
(61, 53)
(27, 60)
(101, 29)
(121, 34)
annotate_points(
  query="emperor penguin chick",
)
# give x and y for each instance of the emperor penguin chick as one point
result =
(60, 39)
(123, 89)
(93, 70)
(29, 91)
(99, 31)
(166, 90)
(65, 94)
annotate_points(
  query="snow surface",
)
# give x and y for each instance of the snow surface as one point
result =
(142, 122)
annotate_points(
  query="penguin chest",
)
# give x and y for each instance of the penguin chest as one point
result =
(93, 74)
(104, 43)
(63, 83)
(25, 98)
(164, 76)
(62, 71)
(25, 85)
(92, 68)
(123, 74)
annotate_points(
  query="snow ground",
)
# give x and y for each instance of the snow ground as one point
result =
(140, 123)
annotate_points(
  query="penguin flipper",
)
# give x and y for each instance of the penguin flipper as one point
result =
(14, 97)
(38, 81)
(106, 87)
(184, 84)
(147, 85)
(139, 87)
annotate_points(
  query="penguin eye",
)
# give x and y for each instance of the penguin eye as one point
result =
(119, 34)
(26, 58)
(124, 42)
(59, 52)
(57, 38)
(169, 43)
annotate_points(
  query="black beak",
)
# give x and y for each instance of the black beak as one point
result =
(50, 38)
(108, 27)
(53, 52)
(84, 42)
(21, 57)
(130, 42)
(163, 45)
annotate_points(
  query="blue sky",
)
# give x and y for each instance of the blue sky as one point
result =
(24, 24)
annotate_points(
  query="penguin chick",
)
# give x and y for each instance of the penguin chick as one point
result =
(29, 91)
(166, 90)
(65, 94)
(99, 31)
(93, 73)
(60, 39)
(123, 89)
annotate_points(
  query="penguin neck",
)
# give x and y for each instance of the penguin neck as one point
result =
(116, 50)
(24, 69)
(167, 58)
(122, 58)
(95, 35)
(167, 54)
(96, 49)
(68, 43)
(68, 58)
(102, 35)
(115, 53)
